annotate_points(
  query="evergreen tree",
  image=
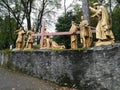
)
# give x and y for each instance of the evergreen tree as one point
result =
(7, 28)
(64, 24)
(116, 23)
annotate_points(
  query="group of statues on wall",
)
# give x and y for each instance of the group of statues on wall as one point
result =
(104, 33)
(20, 41)
(85, 34)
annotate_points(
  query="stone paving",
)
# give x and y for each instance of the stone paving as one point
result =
(18, 81)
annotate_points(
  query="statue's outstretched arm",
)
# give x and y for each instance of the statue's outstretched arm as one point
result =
(97, 14)
(17, 31)
(92, 9)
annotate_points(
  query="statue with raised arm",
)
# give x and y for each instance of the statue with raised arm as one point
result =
(20, 42)
(85, 33)
(104, 33)
(30, 40)
(73, 29)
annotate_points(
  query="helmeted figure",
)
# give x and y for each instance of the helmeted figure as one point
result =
(20, 42)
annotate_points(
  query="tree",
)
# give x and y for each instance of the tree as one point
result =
(85, 10)
(13, 9)
(118, 1)
(7, 28)
(27, 8)
(46, 10)
(64, 24)
(19, 9)
(116, 22)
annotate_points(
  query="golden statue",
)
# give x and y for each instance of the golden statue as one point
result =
(20, 42)
(56, 45)
(73, 29)
(103, 29)
(46, 40)
(30, 40)
(48, 43)
(85, 33)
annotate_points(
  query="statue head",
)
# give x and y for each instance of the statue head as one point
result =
(32, 29)
(72, 21)
(95, 5)
(21, 28)
(82, 17)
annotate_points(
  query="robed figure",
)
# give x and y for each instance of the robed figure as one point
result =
(104, 33)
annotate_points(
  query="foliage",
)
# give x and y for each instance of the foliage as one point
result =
(14, 9)
(92, 1)
(64, 24)
(45, 10)
(116, 23)
(7, 28)
(118, 1)
(29, 11)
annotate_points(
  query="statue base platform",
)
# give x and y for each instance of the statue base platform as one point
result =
(28, 49)
(16, 49)
(100, 43)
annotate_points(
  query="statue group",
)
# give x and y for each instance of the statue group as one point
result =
(48, 43)
(85, 34)
(20, 41)
(104, 34)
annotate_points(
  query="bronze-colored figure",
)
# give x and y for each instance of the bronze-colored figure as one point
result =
(73, 29)
(30, 40)
(48, 43)
(56, 45)
(85, 33)
(20, 42)
(46, 40)
(103, 29)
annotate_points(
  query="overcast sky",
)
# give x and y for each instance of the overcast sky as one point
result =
(61, 11)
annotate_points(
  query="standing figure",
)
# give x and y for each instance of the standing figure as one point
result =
(20, 42)
(103, 29)
(73, 29)
(30, 40)
(85, 33)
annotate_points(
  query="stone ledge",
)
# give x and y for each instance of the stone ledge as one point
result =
(97, 68)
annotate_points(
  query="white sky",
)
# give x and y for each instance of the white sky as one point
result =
(59, 12)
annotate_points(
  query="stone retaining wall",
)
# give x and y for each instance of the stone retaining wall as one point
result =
(95, 69)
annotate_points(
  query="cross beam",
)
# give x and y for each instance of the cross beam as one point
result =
(42, 34)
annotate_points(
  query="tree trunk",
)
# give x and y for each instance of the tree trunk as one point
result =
(110, 7)
(28, 22)
(40, 17)
(65, 7)
(85, 10)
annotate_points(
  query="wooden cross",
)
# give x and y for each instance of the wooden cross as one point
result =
(42, 34)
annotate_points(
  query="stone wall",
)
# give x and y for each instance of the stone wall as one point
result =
(97, 68)
(4, 58)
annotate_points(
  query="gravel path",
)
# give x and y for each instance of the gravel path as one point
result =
(17, 81)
